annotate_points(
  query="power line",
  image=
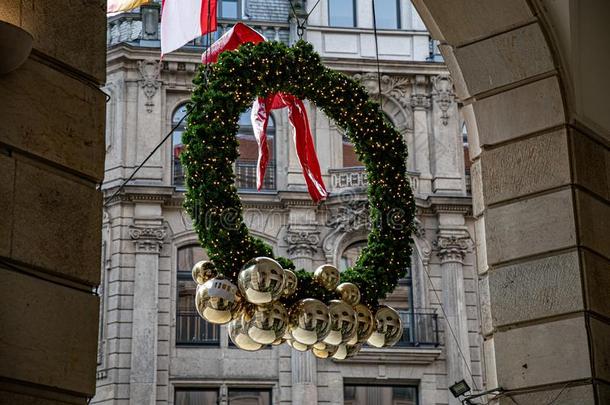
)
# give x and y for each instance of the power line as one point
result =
(440, 302)
(377, 54)
(124, 183)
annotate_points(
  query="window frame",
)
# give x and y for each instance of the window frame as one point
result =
(196, 389)
(414, 386)
(354, 15)
(238, 11)
(181, 127)
(185, 275)
(398, 17)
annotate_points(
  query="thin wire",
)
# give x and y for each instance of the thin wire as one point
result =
(440, 302)
(377, 54)
(124, 183)
(301, 23)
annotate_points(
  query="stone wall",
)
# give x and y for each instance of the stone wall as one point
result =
(51, 160)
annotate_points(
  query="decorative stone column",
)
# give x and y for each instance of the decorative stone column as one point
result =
(148, 237)
(420, 103)
(452, 246)
(304, 378)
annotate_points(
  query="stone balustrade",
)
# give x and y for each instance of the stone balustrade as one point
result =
(354, 178)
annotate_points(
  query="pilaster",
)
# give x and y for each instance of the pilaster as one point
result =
(148, 235)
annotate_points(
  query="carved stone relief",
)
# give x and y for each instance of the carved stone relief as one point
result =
(149, 72)
(443, 95)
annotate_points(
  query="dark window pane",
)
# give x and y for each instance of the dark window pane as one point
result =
(379, 395)
(228, 9)
(191, 329)
(239, 396)
(341, 13)
(350, 255)
(245, 166)
(387, 14)
(196, 397)
(177, 172)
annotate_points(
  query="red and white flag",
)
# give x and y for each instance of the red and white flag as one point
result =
(303, 141)
(184, 20)
(239, 34)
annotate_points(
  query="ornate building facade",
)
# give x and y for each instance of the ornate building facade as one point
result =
(154, 348)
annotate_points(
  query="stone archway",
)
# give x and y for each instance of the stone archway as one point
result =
(540, 168)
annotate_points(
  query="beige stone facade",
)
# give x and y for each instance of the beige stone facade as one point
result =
(149, 241)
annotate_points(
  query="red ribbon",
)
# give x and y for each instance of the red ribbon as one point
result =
(303, 140)
(306, 152)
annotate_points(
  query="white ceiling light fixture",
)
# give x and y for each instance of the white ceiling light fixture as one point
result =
(15, 46)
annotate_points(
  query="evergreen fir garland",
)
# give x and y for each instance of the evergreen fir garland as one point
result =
(211, 148)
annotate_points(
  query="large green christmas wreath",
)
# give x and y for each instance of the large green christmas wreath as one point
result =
(224, 92)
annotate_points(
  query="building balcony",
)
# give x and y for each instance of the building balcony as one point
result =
(419, 329)
(354, 179)
(192, 330)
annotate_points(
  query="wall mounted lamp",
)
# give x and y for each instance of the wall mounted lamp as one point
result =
(15, 46)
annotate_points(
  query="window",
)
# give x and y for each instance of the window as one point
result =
(191, 329)
(245, 167)
(193, 396)
(350, 255)
(379, 395)
(350, 159)
(177, 172)
(245, 170)
(387, 14)
(229, 9)
(341, 13)
(249, 396)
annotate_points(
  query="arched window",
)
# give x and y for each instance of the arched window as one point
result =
(177, 172)
(245, 168)
(191, 329)
(350, 255)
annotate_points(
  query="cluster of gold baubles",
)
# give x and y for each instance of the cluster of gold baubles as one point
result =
(256, 317)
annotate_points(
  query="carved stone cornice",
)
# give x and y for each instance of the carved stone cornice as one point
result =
(148, 239)
(453, 248)
(302, 242)
(392, 86)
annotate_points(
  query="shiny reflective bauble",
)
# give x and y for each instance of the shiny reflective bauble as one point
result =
(238, 333)
(341, 352)
(309, 321)
(342, 323)
(297, 345)
(269, 323)
(365, 323)
(203, 271)
(388, 328)
(327, 276)
(261, 280)
(352, 350)
(349, 293)
(290, 283)
(323, 350)
(216, 300)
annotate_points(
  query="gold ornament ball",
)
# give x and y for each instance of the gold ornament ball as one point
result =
(238, 334)
(203, 271)
(261, 281)
(388, 328)
(341, 352)
(269, 323)
(365, 323)
(290, 283)
(216, 300)
(342, 322)
(324, 350)
(349, 293)
(327, 276)
(309, 321)
(297, 345)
